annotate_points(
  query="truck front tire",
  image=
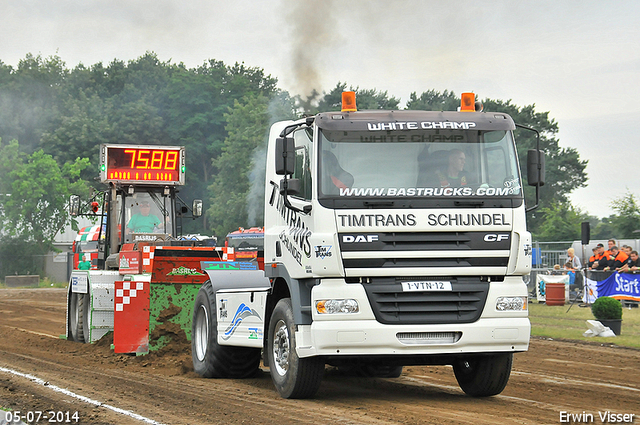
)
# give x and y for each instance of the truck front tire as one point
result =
(483, 376)
(292, 376)
(210, 359)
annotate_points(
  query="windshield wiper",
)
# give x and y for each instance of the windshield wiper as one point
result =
(377, 204)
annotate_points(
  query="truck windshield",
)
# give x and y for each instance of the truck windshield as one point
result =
(418, 164)
(87, 246)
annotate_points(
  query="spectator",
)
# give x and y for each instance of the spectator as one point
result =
(601, 261)
(617, 259)
(592, 259)
(611, 243)
(85, 264)
(632, 263)
(572, 260)
(557, 270)
(626, 249)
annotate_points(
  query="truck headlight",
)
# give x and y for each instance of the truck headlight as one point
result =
(337, 306)
(511, 304)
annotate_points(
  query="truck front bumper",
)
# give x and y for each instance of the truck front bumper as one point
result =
(369, 337)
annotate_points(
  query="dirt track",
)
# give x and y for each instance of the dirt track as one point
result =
(551, 378)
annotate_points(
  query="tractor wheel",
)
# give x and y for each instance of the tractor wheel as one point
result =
(483, 376)
(210, 359)
(79, 308)
(292, 376)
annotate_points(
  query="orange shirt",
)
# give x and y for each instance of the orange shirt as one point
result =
(621, 257)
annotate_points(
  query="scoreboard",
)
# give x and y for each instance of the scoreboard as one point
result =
(140, 164)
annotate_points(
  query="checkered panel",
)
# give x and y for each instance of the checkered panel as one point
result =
(129, 290)
(131, 317)
(148, 252)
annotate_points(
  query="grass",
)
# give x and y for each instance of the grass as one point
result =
(44, 283)
(555, 322)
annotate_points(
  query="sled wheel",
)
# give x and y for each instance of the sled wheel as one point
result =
(79, 307)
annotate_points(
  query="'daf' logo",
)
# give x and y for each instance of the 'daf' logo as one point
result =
(359, 238)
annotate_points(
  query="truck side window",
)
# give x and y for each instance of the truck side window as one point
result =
(302, 141)
(496, 169)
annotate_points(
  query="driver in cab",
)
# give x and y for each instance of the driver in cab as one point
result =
(453, 175)
(143, 221)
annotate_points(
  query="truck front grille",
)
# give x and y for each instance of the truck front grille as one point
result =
(392, 306)
(379, 253)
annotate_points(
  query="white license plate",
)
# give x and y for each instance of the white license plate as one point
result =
(426, 286)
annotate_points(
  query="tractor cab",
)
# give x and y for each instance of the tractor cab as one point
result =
(141, 202)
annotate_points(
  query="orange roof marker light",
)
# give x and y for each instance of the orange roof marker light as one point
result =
(467, 102)
(349, 101)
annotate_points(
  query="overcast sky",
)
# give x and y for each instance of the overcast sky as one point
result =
(578, 60)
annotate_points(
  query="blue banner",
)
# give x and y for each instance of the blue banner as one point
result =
(622, 286)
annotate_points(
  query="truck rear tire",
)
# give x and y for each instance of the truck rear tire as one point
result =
(210, 359)
(483, 376)
(79, 307)
(292, 376)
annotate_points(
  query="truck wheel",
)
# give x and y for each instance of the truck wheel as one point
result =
(210, 359)
(483, 376)
(79, 306)
(292, 376)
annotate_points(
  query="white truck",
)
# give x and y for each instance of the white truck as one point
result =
(391, 238)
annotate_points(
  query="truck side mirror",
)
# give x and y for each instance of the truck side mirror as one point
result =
(285, 156)
(197, 208)
(535, 168)
(291, 186)
(74, 205)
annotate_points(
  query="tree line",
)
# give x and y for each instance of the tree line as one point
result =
(52, 120)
